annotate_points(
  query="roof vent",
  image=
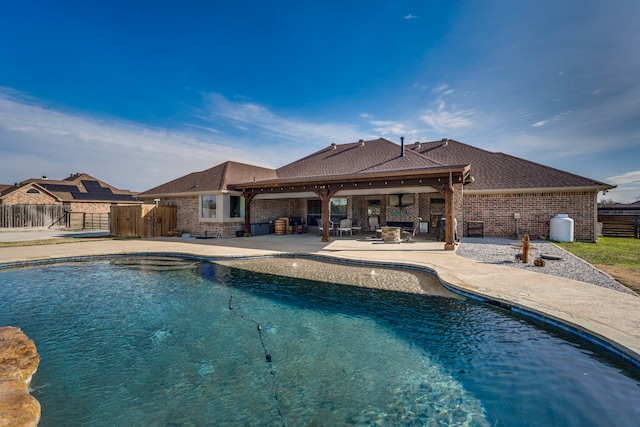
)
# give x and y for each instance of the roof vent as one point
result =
(417, 145)
(361, 142)
(44, 177)
(402, 146)
(445, 141)
(334, 145)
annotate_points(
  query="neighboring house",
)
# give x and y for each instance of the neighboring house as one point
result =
(79, 194)
(489, 194)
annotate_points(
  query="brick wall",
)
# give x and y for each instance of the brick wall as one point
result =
(495, 210)
(188, 218)
(21, 197)
(101, 208)
(535, 209)
(261, 211)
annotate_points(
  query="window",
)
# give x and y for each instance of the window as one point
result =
(401, 199)
(373, 208)
(337, 208)
(406, 199)
(208, 207)
(32, 191)
(314, 212)
(236, 207)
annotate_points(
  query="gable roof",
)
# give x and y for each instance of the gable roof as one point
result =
(499, 171)
(216, 178)
(80, 187)
(7, 190)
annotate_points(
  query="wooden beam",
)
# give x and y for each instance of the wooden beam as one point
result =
(449, 234)
(248, 197)
(427, 179)
(325, 193)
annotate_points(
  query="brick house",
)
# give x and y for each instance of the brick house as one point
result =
(79, 193)
(492, 194)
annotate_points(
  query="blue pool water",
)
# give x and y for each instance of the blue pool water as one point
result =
(124, 342)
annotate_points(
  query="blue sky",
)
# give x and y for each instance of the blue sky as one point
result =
(139, 92)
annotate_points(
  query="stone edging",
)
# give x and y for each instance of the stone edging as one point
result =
(19, 360)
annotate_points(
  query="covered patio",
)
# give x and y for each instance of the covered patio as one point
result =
(428, 180)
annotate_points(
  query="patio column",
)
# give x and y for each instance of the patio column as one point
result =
(449, 232)
(248, 197)
(325, 194)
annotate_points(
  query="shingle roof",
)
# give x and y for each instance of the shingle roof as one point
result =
(499, 171)
(78, 187)
(4, 187)
(379, 155)
(491, 171)
(213, 179)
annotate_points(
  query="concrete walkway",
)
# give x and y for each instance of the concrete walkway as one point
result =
(612, 316)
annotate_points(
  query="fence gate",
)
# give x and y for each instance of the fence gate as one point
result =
(143, 220)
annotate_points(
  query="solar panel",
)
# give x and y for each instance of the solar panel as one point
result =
(94, 187)
(103, 197)
(60, 188)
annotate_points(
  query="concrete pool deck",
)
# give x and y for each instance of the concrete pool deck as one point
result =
(611, 316)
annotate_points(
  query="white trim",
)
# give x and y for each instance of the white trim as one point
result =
(218, 207)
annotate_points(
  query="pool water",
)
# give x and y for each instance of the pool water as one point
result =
(133, 343)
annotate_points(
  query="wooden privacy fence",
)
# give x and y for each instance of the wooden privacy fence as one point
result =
(143, 220)
(28, 216)
(88, 221)
(620, 225)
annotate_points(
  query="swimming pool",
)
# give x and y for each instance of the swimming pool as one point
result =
(131, 342)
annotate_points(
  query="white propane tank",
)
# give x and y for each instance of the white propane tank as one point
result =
(561, 228)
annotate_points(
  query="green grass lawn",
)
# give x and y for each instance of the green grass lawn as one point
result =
(615, 251)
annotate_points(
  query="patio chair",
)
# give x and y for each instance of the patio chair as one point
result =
(355, 226)
(407, 236)
(374, 224)
(321, 229)
(345, 227)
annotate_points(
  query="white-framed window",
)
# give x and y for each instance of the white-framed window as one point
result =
(208, 207)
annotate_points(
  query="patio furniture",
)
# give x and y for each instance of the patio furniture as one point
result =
(407, 236)
(321, 229)
(356, 227)
(374, 224)
(345, 227)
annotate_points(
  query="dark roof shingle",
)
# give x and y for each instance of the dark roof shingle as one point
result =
(213, 179)
(491, 171)
(379, 155)
(499, 171)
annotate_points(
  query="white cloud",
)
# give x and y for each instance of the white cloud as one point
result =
(41, 141)
(389, 127)
(256, 118)
(410, 16)
(556, 118)
(632, 177)
(440, 89)
(38, 140)
(443, 121)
